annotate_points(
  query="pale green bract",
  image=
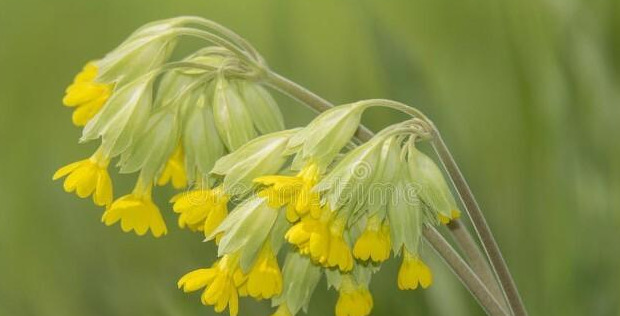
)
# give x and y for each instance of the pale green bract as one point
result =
(260, 156)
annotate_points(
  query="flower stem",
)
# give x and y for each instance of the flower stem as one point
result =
(476, 258)
(319, 104)
(480, 226)
(471, 281)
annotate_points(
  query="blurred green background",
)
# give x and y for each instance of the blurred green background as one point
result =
(527, 94)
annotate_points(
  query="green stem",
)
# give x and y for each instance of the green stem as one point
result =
(480, 226)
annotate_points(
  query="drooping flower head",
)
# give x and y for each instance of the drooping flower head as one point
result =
(207, 122)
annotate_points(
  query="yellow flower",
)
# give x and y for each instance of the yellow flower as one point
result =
(454, 214)
(88, 177)
(282, 311)
(413, 271)
(174, 171)
(354, 300)
(296, 192)
(220, 283)
(264, 279)
(374, 243)
(136, 212)
(201, 210)
(86, 95)
(322, 239)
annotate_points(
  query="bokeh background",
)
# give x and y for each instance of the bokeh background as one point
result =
(527, 94)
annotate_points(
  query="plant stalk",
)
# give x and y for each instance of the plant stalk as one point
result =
(480, 226)
(467, 276)
(476, 258)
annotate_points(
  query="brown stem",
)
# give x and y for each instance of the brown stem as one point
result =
(467, 276)
(475, 257)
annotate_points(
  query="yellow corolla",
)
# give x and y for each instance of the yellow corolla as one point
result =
(86, 95)
(201, 209)
(174, 171)
(322, 240)
(354, 300)
(413, 272)
(88, 177)
(136, 212)
(264, 280)
(454, 214)
(294, 192)
(220, 283)
(374, 243)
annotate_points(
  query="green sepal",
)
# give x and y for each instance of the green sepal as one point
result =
(260, 156)
(154, 146)
(300, 278)
(123, 117)
(430, 182)
(232, 119)
(246, 229)
(201, 141)
(326, 135)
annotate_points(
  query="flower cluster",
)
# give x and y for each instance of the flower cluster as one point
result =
(343, 209)
(167, 121)
(336, 207)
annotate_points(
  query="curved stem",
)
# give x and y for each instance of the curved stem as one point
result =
(480, 226)
(217, 40)
(319, 104)
(467, 276)
(309, 98)
(475, 257)
(227, 33)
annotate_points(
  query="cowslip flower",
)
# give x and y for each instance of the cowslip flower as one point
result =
(88, 177)
(264, 280)
(86, 94)
(220, 283)
(354, 299)
(201, 209)
(374, 243)
(174, 171)
(413, 272)
(294, 192)
(323, 240)
(136, 212)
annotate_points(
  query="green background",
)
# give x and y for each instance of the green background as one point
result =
(526, 93)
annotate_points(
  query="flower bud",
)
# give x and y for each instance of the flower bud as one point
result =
(201, 141)
(260, 156)
(152, 149)
(347, 183)
(146, 49)
(404, 211)
(326, 135)
(431, 184)
(232, 119)
(124, 115)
